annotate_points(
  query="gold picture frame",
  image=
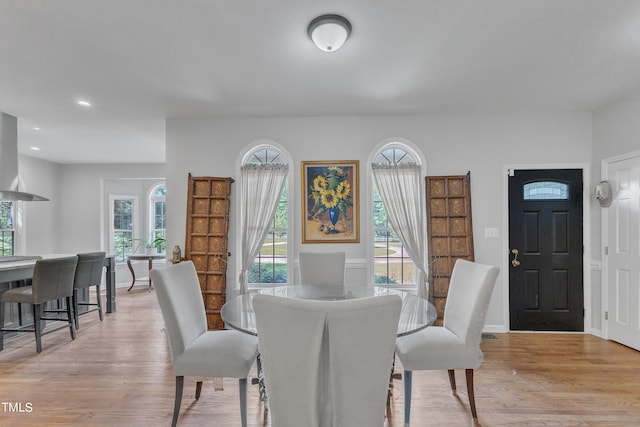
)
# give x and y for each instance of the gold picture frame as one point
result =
(330, 201)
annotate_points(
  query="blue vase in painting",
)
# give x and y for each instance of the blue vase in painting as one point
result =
(333, 216)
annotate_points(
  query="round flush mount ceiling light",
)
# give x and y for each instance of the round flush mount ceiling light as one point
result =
(329, 32)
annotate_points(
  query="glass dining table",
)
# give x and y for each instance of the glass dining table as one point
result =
(417, 313)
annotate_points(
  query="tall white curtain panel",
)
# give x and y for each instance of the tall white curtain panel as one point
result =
(400, 191)
(261, 187)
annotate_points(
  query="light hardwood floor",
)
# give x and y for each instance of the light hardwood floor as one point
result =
(118, 373)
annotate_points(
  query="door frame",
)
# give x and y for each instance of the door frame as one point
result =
(604, 235)
(586, 235)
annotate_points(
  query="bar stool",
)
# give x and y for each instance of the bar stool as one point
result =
(88, 273)
(52, 279)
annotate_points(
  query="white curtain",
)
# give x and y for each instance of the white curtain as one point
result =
(400, 191)
(260, 192)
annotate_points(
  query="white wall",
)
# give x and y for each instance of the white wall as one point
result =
(74, 219)
(40, 223)
(84, 205)
(452, 145)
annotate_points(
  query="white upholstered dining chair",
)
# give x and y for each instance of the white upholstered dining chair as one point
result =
(327, 363)
(455, 344)
(323, 270)
(195, 351)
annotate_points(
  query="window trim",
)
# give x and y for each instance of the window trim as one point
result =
(134, 218)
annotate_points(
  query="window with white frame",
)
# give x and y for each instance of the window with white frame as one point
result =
(392, 265)
(7, 228)
(158, 214)
(122, 225)
(270, 266)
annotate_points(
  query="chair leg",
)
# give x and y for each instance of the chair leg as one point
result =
(74, 300)
(71, 319)
(407, 381)
(242, 386)
(178, 400)
(452, 380)
(37, 326)
(1, 326)
(472, 398)
(99, 297)
(198, 389)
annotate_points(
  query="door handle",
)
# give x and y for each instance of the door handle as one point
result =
(514, 261)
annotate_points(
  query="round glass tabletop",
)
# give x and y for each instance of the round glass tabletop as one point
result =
(416, 314)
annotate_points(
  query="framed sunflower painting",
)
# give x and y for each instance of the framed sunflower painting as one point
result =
(330, 202)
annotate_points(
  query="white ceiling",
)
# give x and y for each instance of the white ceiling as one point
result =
(141, 61)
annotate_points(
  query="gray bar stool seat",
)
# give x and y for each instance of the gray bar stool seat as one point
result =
(52, 280)
(88, 273)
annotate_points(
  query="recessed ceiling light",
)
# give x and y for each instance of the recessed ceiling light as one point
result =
(35, 148)
(36, 128)
(84, 103)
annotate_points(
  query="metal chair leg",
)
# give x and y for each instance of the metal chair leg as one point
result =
(70, 318)
(99, 297)
(178, 400)
(407, 382)
(37, 326)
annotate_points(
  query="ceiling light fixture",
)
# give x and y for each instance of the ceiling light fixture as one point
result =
(329, 32)
(84, 103)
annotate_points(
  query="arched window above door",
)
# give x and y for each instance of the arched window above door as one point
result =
(545, 190)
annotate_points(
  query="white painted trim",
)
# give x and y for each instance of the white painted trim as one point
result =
(586, 235)
(604, 235)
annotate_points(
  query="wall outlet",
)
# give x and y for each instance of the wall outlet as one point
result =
(491, 232)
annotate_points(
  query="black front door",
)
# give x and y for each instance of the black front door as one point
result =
(545, 240)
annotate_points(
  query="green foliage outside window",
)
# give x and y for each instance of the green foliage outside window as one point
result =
(270, 266)
(6, 228)
(268, 273)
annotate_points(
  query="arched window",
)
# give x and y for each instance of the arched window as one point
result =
(157, 216)
(392, 262)
(546, 190)
(270, 265)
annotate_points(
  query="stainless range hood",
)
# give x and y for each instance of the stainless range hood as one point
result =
(9, 162)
